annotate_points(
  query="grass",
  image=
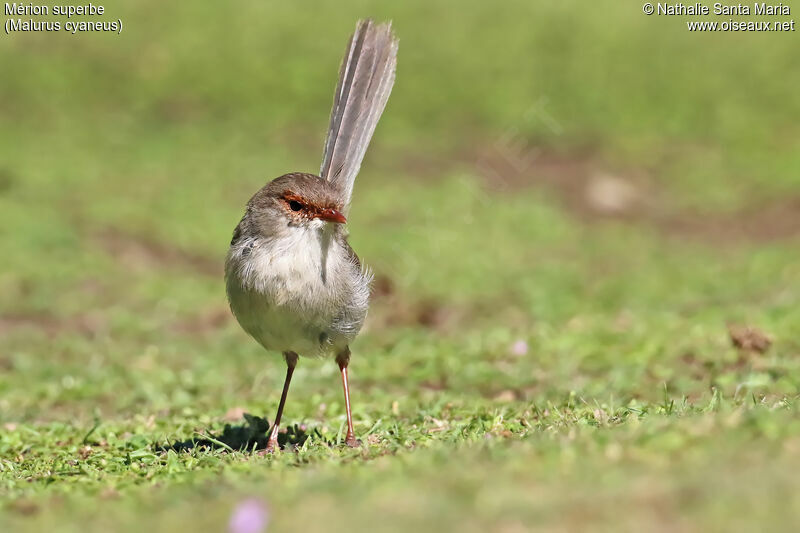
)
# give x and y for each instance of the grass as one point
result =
(125, 162)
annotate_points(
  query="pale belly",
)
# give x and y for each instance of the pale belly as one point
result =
(285, 326)
(291, 297)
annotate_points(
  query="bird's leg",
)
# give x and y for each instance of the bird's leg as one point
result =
(291, 362)
(343, 359)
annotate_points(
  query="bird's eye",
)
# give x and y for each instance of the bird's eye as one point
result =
(295, 205)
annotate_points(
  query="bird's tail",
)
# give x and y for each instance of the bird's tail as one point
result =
(365, 81)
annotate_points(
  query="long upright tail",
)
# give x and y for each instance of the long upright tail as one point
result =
(365, 81)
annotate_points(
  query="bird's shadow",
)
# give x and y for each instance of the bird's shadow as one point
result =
(251, 435)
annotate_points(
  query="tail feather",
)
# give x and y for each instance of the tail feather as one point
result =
(365, 82)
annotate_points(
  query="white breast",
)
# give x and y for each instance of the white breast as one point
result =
(301, 292)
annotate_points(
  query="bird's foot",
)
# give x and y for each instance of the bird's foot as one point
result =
(272, 447)
(352, 442)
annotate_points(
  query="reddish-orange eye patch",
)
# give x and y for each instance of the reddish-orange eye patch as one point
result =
(299, 204)
(294, 201)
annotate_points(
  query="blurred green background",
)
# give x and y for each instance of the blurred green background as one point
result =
(574, 211)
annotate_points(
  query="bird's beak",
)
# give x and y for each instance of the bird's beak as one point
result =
(332, 215)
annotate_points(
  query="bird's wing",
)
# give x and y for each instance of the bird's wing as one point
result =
(365, 81)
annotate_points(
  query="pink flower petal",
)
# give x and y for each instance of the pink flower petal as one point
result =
(250, 516)
(519, 348)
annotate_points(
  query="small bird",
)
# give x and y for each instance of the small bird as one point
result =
(293, 282)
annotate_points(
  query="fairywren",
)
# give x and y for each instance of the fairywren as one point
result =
(293, 281)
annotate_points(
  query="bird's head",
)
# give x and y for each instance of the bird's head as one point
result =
(296, 200)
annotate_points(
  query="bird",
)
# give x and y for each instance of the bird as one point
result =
(292, 280)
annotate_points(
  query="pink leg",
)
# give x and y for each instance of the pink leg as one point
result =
(343, 359)
(291, 362)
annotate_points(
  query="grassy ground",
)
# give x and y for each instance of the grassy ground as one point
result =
(567, 206)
